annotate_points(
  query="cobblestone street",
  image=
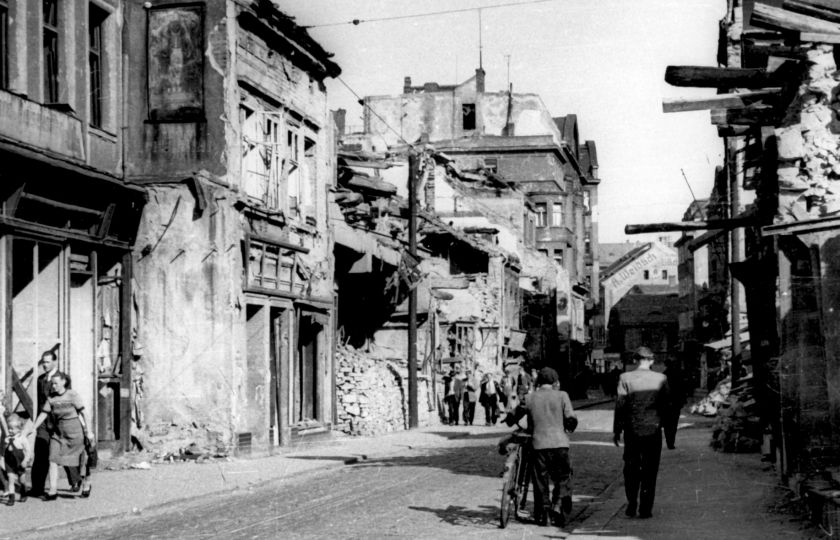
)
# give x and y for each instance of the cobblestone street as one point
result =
(449, 488)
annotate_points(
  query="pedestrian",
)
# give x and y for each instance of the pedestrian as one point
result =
(523, 384)
(470, 397)
(550, 417)
(615, 374)
(677, 394)
(17, 456)
(67, 440)
(453, 389)
(641, 408)
(41, 459)
(489, 399)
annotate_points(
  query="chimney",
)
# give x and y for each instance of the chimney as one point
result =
(479, 80)
(407, 85)
(339, 117)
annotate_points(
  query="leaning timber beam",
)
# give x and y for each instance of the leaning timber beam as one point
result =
(763, 115)
(827, 10)
(812, 37)
(781, 19)
(716, 77)
(725, 224)
(720, 101)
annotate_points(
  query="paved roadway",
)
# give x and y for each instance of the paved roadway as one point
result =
(446, 489)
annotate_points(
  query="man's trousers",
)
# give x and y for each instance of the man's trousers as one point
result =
(550, 464)
(641, 465)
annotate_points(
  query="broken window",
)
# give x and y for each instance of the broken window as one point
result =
(50, 50)
(558, 257)
(261, 156)
(295, 177)
(468, 116)
(272, 267)
(491, 165)
(541, 214)
(557, 215)
(460, 339)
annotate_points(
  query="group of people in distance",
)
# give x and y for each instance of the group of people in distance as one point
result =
(60, 436)
(645, 406)
(462, 392)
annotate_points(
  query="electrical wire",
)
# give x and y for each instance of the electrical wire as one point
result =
(356, 22)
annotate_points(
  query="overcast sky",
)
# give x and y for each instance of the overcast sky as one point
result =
(603, 60)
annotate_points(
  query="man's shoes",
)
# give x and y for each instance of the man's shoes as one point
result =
(86, 492)
(645, 514)
(558, 518)
(76, 487)
(566, 504)
(23, 496)
(630, 511)
(10, 499)
(50, 497)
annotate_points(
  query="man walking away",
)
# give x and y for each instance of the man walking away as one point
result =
(641, 408)
(470, 397)
(549, 410)
(489, 399)
(453, 388)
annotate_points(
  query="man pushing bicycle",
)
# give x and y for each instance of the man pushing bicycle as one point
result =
(550, 417)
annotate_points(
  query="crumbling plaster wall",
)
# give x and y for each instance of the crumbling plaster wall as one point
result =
(189, 305)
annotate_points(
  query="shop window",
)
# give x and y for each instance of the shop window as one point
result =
(468, 116)
(96, 23)
(557, 215)
(4, 44)
(542, 209)
(50, 50)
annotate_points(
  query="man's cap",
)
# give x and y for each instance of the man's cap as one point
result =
(643, 353)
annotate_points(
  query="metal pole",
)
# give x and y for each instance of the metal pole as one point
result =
(412, 295)
(736, 165)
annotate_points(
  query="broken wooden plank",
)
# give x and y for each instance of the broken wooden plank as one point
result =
(827, 10)
(61, 205)
(720, 101)
(716, 77)
(22, 394)
(781, 19)
(761, 115)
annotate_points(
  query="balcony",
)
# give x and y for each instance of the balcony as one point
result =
(41, 127)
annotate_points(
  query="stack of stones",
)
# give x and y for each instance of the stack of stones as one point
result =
(372, 394)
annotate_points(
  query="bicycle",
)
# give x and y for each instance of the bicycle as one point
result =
(516, 476)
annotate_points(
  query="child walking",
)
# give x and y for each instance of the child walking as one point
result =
(17, 456)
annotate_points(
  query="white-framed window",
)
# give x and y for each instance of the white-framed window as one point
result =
(541, 209)
(557, 214)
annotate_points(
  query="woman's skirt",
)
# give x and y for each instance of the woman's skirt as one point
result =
(67, 444)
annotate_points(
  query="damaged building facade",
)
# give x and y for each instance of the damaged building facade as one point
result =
(227, 130)
(777, 113)
(514, 137)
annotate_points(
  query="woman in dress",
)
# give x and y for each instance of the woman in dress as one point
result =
(67, 441)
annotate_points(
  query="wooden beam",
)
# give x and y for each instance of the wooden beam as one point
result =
(827, 10)
(22, 395)
(61, 205)
(726, 130)
(720, 101)
(725, 224)
(748, 116)
(813, 37)
(781, 19)
(716, 77)
(105, 224)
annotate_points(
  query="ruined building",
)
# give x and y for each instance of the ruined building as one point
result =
(514, 136)
(227, 129)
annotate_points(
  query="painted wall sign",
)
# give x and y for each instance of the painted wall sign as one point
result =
(176, 63)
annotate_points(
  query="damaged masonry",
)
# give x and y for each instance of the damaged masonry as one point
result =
(224, 269)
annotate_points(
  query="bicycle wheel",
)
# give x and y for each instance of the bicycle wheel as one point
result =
(509, 481)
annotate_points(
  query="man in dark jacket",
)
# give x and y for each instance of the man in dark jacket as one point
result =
(548, 410)
(41, 461)
(453, 389)
(641, 409)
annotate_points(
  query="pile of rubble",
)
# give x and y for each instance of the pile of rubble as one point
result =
(738, 426)
(371, 394)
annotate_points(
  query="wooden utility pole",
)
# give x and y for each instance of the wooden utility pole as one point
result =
(413, 159)
(735, 162)
(711, 224)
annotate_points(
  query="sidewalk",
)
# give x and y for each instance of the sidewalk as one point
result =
(133, 491)
(700, 494)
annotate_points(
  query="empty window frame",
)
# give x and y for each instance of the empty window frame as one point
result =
(4, 44)
(557, 215)
(50, 50)
(541, 209)
(295, 179)
(261, 155)
(491, 164)
(96, 24)
(468, 116)
(558, 257)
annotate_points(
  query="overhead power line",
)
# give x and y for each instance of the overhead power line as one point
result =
(357, 22)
